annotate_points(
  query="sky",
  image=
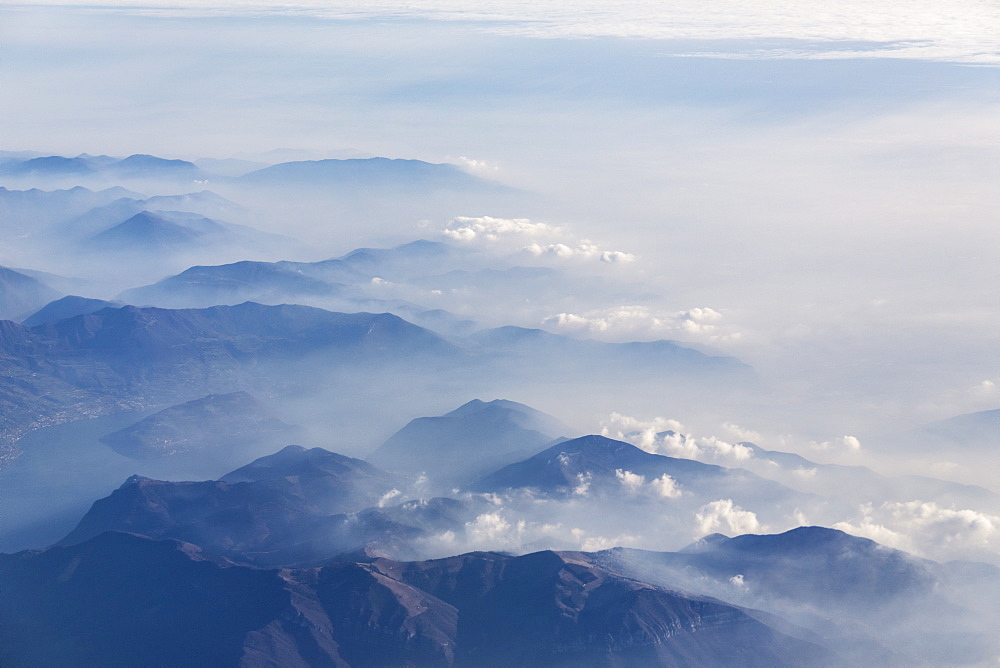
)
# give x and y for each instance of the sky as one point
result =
(809, 186)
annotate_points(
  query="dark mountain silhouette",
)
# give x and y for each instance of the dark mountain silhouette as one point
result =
(125, 599)
(476, 438)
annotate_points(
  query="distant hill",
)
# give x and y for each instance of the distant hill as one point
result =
(21, 295)
(32, 212)
(367, 173)
(67, 307)
(134, 167)
(286, 281)
(156, 233)
(980, 430)
(602, 465)
(281, 509)
(115, 358)
(215, 426)
(478, 437)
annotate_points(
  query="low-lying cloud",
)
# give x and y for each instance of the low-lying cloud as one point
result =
(636, 321)
(537, 239)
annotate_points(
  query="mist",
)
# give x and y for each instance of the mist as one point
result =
(754, 260)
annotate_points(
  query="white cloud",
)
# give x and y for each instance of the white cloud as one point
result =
(632, 482)
(597, 543)
(617, 256)
(663, 437)
(723, 516)
(666, 487)
(490, 229)
(848, 443)
(388, 497)
(928, 529)
(636, 321)
(742, 433)
(956, 31)
(541, 240)
(477, 166)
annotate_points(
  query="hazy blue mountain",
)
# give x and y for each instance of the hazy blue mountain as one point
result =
(151, 166)
(367, 173)
(132, 357)
(134, 167)
(859, 484)
(285, 508)
(478, 437)
(638, 359)
(558, 470)
(30, 212)
(980, 430)
(160, 232)
(288, 281)
(218, 426)
(106, 216)
(154, 232)
(873, 604)
(121, 598)
(232, 284)
(21, 295)
(67, 307)
(816, 565)
(52, 165)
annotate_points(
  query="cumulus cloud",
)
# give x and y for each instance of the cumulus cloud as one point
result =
(632, 482)
(475, 166)
(492, 529)
(490, 229)
(636, 321)
(597, 543)
(724, 516)
(848, 443)
(389, 497)
(538, 239)
(852, 443)
(928, 529)
(665, 487)
(742, 433)
(663, 437)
